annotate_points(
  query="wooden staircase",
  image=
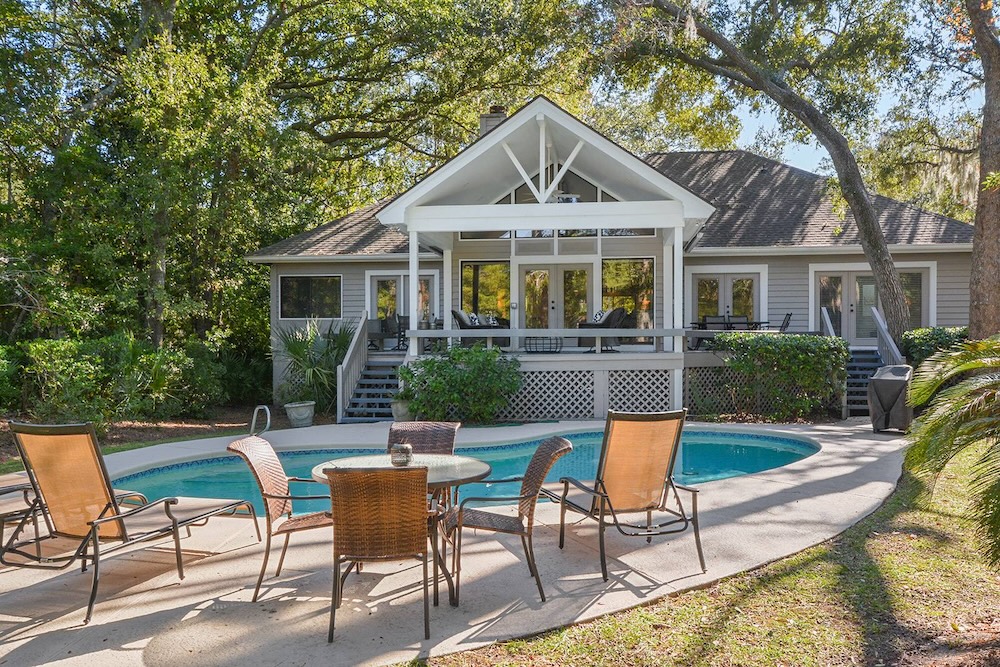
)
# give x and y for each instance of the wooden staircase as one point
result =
(376, 387)
(861, 366)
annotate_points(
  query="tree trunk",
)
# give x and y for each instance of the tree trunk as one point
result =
(157, 279)
(984, 283)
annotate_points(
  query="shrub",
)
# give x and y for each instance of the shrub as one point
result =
(470, 384)
(201, 380)
(919, 344)
(65, 381)
(785, 376)
(246, 376)
(11, 363)
(312, 358)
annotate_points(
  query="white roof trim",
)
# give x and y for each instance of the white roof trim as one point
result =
(489, 217)
(618, 158)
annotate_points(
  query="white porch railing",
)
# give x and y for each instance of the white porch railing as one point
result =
(827, 323)
(887, 348)
(663, 340)
(349, 371)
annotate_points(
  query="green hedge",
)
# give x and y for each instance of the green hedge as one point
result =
(468, 384)
(785, 376)
(118, 377)
(919, 344)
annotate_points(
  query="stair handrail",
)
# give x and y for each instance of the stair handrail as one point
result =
(350, 369)
(887, 349)
(826, 323)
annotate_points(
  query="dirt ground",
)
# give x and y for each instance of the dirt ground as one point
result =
(228, 419)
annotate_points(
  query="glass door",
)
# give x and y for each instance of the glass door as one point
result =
(726, 294)
(391, 294)
(555, 296)
(848, 298)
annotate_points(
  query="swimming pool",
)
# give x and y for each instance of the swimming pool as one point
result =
(704, 456)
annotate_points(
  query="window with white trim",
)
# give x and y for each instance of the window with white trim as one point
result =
(302, 297)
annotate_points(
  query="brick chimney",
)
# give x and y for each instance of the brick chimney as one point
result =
(488, 121)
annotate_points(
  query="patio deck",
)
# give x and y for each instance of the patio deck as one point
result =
(145, 616)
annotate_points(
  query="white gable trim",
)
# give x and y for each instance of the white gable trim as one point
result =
(394, 213)
(490, 217)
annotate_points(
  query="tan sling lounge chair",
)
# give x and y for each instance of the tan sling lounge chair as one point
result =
(73, 491)
(634, 482)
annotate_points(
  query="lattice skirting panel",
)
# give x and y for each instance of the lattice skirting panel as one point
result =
(552, 395)
(639, 390)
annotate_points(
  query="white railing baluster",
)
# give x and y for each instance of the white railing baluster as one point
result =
(349, 371)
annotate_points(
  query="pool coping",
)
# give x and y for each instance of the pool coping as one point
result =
(208, 618)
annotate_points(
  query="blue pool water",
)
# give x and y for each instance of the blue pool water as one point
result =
(704, 456)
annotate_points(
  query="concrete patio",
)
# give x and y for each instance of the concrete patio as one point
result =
(145, 616)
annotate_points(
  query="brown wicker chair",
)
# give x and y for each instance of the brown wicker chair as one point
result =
(273, 483)
(71, 487)
(462, 517)
(425, 437)
(634, 477)
(380, 514)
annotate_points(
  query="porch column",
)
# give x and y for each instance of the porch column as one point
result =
(448, 305)
(677, 374)
(414, 290)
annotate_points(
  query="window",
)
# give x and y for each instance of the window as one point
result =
(302, 297)
(486, 288)
(628, 283)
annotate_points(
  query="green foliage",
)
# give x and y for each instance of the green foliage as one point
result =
(11, 362)
(469, 384)
(311, 358)
(798, 375)
(246, 375)
(118, 377)
(919, 344)
(964, 383)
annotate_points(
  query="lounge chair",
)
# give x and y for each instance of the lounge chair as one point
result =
(70, 484)
(461, 517)
(380, 514)
(785, 322)
(273, 484)
(634, 480)
(612, 320)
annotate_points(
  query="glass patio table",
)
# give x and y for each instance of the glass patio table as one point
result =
(443, 472)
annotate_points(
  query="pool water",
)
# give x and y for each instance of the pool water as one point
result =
(704, 456)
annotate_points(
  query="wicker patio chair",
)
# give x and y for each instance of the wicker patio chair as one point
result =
(461, 517)
(425, 437)
(273, 483)
(380, 514)
(634, 480)
(71, 486)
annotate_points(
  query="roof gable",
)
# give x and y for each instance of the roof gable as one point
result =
(536, 135)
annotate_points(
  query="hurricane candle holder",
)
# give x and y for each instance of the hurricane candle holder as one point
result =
(401, 454)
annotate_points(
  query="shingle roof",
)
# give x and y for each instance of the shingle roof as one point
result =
(759, 203)
(764, 203)
(358, 233)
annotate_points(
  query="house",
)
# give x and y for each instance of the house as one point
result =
(670, 239)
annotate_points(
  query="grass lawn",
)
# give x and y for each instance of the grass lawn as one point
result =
(903, 587)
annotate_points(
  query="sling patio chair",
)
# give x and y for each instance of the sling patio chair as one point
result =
(461, 517)
(273, 483)
(634, 479)
(379, 514)
(72, 489)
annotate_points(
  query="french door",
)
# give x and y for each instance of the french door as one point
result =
(555, 296)
(389, 293)
(730, 294)
(849, 296)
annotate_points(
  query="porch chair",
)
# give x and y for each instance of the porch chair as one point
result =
(612, 320)
(461, 517)
(380, 514)
(70, 483)
(785, 322)
(739, 322)
(715, 322)
(425, 437)
(463, 321)
(273, 484)
(634, 480)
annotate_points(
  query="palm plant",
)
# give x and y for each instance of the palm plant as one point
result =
(964, 383)
(312, 358)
